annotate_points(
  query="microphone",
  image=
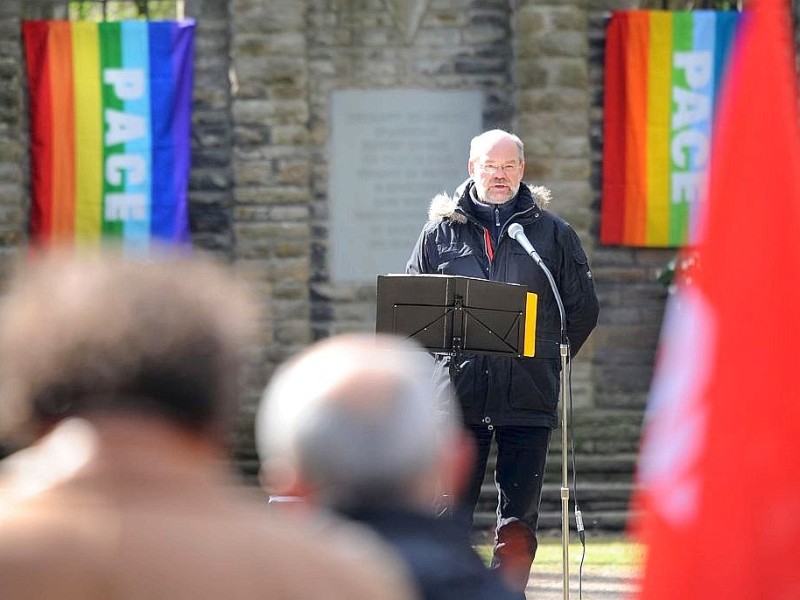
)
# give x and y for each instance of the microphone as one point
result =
(516, 232)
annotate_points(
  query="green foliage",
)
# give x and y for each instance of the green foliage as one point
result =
(683, 268)
(692, 4)
(115, 10)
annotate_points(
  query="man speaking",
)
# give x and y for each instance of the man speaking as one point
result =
(514, 400)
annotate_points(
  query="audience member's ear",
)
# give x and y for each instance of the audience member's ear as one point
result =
(287, 491)
(280, 478)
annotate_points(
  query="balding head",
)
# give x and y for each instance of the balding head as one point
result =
(481, 144)
(358, 419)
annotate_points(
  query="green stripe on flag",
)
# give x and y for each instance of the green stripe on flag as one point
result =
(682, 41)
(113, 108)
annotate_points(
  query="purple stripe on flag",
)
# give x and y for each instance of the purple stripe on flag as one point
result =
(171, 72)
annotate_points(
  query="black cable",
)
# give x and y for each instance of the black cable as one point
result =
(578, 515)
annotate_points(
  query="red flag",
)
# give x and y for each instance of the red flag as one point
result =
(720, 463)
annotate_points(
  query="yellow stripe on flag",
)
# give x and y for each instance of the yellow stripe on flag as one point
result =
(659, 70)
(89, 131)
(529, 344)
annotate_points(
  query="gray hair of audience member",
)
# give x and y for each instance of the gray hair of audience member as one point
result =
(97, 333)
(480, 143)
(358, 418)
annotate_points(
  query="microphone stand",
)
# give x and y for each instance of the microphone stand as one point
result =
(564, 351)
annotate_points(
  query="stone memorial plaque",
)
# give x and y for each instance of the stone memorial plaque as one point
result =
(391, 151)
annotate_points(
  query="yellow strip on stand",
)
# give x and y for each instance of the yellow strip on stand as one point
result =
(529, 344)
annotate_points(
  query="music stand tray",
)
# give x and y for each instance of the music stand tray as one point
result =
(452, 314)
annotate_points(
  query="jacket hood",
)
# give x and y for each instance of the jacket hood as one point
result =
(445, 207)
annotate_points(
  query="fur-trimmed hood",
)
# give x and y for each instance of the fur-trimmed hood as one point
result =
(444, 207)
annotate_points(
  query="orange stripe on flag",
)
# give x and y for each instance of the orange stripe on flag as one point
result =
(62, 91)
(636, 129)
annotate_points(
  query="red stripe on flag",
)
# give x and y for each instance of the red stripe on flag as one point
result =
(612, 215)
(35, 35)
(721, 489)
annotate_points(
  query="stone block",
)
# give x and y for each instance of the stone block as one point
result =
(440, 37)
(445, 18)
(295, 332)
(297, 269)
(294, 172)
(489, 31)
(11, 173)
(556, 100)
(268, 17)
(530, 21)
(570, 168)
(570, 73)
(332, 37)
(292, 249)
(254, 173)
(477, 65)
(565, 43)
(206, 220)
(210, 179)
(531, 73)
(570, 18)
(271, 195)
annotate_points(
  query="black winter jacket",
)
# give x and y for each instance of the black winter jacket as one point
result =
(438, 554)
(500, 390)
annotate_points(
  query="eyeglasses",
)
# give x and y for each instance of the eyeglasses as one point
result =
(491, 169)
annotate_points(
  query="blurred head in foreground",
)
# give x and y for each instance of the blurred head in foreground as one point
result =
(354, 421)
(98, 334)
(127, 373)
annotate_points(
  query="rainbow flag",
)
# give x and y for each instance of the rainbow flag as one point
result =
(662, 76)
(110, 107)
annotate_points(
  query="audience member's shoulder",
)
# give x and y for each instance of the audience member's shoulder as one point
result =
(344, 560)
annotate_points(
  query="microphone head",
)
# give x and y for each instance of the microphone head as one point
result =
(514, 230)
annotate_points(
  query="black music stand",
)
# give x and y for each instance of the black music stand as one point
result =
(451, 314)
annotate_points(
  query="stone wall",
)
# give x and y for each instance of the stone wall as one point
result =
(13, 139)
(372, 44)
(552, 99)
(265, 70)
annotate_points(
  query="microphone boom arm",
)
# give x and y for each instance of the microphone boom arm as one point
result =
(515, 231)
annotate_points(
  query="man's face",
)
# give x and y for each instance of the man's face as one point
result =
(497, 172)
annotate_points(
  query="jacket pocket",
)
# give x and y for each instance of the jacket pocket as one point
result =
(460, 260)
(582, 267)
(534, 384)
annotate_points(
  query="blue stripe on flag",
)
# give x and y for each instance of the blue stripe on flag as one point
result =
(162, 106)
(135, 57)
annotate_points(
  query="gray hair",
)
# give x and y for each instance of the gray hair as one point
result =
(480, 142)
(359, 417)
